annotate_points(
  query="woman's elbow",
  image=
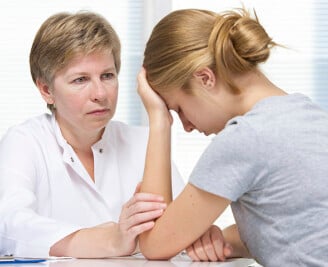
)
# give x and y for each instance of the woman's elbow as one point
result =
(154, 251)
(154, 256)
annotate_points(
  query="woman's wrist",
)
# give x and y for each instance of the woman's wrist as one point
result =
(94, 242)
(160, 121)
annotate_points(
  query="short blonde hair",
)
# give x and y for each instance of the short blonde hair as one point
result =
(187, 40)
(63, 36)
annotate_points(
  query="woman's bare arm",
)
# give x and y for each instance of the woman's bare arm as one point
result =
(194, 210)
(185, 220)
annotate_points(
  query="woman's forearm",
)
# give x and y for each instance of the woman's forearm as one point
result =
(157, 173)
(95, 242)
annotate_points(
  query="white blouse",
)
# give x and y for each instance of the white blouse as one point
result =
(47, 194)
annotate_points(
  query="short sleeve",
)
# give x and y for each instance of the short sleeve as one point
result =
(232, 163)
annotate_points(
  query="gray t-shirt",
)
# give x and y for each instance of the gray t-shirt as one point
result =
(272, 163)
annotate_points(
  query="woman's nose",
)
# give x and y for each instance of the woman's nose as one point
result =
(187, 125)
(99, 91)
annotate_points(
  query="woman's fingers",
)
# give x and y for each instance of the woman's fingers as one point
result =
(191, 253)
(203, 249)
(147, 197)
(142, 202)
(211, 246)
(152, 101)
(139, 222)
(140, 209)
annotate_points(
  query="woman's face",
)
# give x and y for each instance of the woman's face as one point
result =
(85, 93)
(198, 111)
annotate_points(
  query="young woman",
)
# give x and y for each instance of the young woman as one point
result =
(267, 159)
(67, 179)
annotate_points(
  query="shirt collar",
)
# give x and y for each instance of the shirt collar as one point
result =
(59, 137)
(104, 140)
(102, 144)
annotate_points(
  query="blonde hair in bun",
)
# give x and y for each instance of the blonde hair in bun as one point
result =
(187, 40)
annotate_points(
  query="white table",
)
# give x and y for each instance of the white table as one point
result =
(136, 261)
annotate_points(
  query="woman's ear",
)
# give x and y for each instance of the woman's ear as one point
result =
(45, 91)
(205, 77)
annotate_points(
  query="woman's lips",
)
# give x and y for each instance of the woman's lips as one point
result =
(98, 112)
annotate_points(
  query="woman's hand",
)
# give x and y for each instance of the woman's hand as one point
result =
(211, 246)
(154, 104)
(137, 216)
(114, 239)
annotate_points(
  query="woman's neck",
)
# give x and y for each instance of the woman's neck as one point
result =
(79, 139)
(254, 87)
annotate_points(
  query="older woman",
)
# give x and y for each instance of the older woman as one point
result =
(69, 179)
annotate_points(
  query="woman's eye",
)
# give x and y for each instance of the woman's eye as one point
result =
(108, 76)
(80, 80)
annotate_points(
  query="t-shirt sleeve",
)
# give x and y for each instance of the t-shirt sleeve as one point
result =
(231, 164)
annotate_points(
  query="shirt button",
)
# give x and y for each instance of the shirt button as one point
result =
(101, 150)
(72, 159)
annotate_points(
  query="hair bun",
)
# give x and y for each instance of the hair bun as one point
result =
(250, 40)
(239, 42)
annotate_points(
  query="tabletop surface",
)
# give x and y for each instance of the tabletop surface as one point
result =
(136, 261)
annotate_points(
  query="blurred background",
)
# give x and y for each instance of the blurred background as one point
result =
(302, 26)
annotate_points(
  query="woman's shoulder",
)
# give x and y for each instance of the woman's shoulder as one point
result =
(22, 142)
(32, 127)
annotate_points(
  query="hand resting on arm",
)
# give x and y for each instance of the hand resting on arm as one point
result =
(114, 239)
